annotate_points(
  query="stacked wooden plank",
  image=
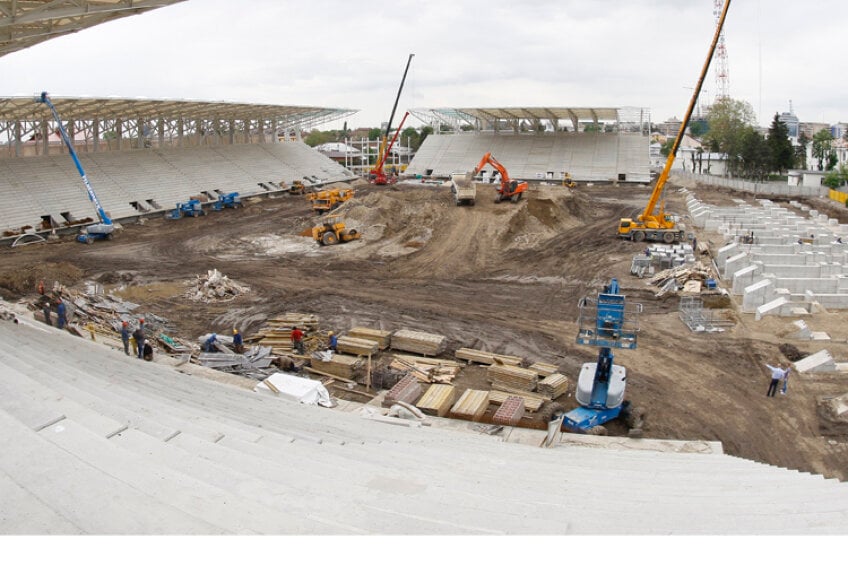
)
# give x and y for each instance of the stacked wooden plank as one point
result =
(419, 342)
(357, 346)
(510, 412)
(437, 400)
(306, 322)
(553, 386)
(426, 369)
(499, 397)
(408, 390)
(543, 369)
(485, 358)
(346, 366)
(279, 340)
(471, 405)
(383, 338)
(515, 377)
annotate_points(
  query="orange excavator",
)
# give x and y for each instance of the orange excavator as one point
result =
(510, 189)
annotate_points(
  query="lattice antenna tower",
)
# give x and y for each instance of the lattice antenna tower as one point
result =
(722, 78)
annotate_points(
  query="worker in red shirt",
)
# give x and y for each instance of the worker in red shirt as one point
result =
(297, 340)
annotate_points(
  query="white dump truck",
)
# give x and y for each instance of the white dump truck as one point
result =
(463, 188)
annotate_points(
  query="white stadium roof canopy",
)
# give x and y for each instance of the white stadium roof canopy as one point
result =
(24, 23)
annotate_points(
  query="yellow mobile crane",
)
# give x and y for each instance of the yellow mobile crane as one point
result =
(650, 225)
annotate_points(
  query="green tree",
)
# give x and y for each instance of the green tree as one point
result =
(754, 157)
(781, 152)
(801, 150)
(833, 179)
(728, 120)
(697, 128)
(317, 137)
(822, 147)
(410, 136)
(374, 134)
(666, 147)
(425, 131)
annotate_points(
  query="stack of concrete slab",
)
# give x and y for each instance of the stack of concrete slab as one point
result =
(782, 261)
(422, 343)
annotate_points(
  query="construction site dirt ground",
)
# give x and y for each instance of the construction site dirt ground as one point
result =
(506, 278)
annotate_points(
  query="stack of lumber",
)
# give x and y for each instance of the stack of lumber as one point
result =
(510, 412)
(514, 377)
(530, 403)
(426, 369)
(335, 364)
(357, 346)
(543, 369)
(306, 322)
(471, 405)
(408, 390)
(419, 342)
(279, 340)
(437, 400)
(553, 386)
(486, 358)
(383, 338)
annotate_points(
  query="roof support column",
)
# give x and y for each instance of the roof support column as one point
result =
(17, 134)
(95, 134)
(180, 131)
(231, 134)
(160, 126)
(119, 133)
(72, 134)
(45, 139)
(140, 133)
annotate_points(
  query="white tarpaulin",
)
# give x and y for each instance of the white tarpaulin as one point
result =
(301, 389)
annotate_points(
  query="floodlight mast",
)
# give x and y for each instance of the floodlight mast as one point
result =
(91, 194)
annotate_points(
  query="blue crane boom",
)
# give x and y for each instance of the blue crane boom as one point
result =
(105, 228)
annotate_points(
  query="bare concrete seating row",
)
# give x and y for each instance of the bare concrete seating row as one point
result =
(601, 157)
(174, 453)
(129, 183)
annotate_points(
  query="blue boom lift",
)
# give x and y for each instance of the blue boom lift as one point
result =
(104, 229)
(193, 208)
(229, 200)
(609, 323)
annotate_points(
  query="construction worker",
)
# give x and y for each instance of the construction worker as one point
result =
(238, 342)
(125, 337)
(297, 340)
(61, 319)
(40, 288)
(138, 334)
(45, 309)
(209, 344)
(332, 341)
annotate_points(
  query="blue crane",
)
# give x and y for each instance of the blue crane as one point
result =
(609, 323)
(104, 229)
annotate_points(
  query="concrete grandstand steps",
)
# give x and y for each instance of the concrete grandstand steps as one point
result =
(37, 406)
(50, 474)
(24, 513)
(364, 476)
(220, 508)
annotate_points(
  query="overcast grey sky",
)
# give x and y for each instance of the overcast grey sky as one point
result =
(345, 54)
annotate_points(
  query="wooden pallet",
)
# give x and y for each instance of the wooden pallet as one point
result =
(486, 358)
(418, 342)
(515, 377)
(553, 386)
(471, 405)
(437, 400)
(383, 338)
(346, 366)
(543, 369)
(357, 346)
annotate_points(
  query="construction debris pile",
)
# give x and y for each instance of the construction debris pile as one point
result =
(214, 287)
(688, 279)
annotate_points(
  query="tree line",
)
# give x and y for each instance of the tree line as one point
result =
(729, 128)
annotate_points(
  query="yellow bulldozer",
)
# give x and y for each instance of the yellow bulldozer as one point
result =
(331, 232)
(330, 199)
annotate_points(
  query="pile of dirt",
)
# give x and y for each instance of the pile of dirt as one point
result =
(16, 283)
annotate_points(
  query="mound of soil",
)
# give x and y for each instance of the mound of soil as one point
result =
(15, 284)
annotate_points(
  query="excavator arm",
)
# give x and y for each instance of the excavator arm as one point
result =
(509, 188)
